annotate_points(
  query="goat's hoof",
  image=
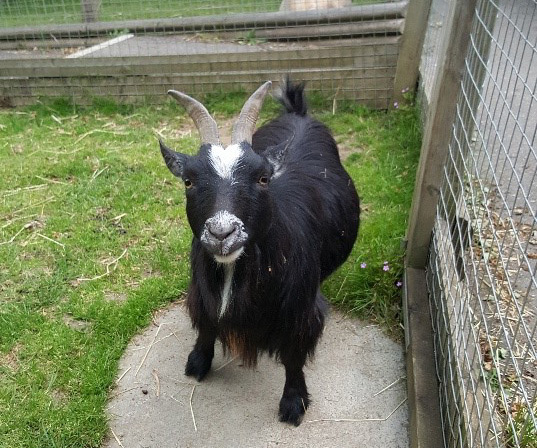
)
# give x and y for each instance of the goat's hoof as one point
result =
(198, 364)
(292, 408)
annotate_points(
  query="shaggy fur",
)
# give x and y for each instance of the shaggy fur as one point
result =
(301, 226)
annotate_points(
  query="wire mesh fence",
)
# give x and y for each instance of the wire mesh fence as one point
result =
(481, 273)
(137, 49)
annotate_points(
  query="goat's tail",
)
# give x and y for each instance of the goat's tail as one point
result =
(292, 97)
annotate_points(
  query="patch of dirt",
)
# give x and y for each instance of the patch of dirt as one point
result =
(58, 396)
(345, 149)
(76, 324)
(118, 297)
(101, 213)
(149, 272)
(503, 253)
(346, 143)
(11, 358)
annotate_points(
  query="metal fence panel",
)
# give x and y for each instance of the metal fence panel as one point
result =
(481, 273)
(434, 38)
(137, 49)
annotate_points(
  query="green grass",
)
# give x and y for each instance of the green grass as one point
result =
(48, 12)
(25, 12)
(383, 169)
(94, 239)
(523, 426)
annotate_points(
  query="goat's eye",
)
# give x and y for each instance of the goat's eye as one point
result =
(263, 180)
(188, 183)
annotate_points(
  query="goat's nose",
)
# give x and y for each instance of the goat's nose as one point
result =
(221, 231)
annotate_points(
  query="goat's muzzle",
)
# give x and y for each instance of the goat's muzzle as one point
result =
(224, 236)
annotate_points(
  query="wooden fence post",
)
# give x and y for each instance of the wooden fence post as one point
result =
(406, 74)
(90, 10)
(438, 130)
(476, 62)
(425, 425)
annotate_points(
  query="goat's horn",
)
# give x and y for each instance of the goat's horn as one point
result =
(244, 127)
(206, 125)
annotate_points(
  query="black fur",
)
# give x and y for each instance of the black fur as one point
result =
(301, 227)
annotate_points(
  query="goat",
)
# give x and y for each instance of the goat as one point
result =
(272, 215)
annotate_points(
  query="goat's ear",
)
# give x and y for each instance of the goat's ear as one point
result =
(276, 154)
(175, 161)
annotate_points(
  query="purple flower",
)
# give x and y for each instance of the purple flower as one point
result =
(386, 267)
(399, 283)
(396, 104)
(363, 265)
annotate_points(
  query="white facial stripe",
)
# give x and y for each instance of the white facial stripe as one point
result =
(225, 161)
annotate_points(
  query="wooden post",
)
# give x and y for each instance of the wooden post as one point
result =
(408, 63)
(425, 420)
(438, 129)
(477, 66)
(476, 62)
(90, 10)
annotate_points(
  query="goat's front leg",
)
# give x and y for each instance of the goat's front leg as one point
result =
(201, 357)
(295, 399)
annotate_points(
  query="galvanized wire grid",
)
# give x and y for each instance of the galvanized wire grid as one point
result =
(481, 272)
(35, 12)
(430, 51)
(135, 50)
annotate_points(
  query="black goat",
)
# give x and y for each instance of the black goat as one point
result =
(273, 215)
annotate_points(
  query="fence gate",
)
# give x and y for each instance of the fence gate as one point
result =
(480, 261)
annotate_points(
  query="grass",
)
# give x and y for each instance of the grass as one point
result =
(94, 239)
(521, 431)
(48, 12)
(383, 168)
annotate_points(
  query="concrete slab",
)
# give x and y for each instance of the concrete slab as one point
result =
(168, 46)
(186, 45)
(155, 405)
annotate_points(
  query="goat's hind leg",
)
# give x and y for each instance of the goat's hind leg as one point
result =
(201, 357)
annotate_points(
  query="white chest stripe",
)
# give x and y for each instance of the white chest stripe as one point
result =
(226, 290)
(225, 161)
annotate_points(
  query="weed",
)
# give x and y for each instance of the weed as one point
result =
(119, 33)
(522, 431)
(250, 38)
